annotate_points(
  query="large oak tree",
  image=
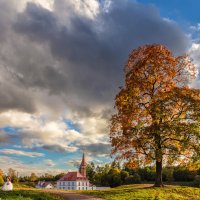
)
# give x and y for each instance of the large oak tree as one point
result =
(158, 114)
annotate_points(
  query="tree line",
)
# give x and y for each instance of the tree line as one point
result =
(113, 175)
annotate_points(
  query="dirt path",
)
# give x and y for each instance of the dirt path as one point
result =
(73, 195)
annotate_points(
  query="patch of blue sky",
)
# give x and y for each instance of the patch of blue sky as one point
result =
(10, 129)
(71, 125)
(12, 133)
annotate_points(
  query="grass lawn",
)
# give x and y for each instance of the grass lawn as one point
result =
(146, 192)
(27, 195)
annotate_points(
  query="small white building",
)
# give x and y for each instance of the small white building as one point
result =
(76, 180)
(43, 184)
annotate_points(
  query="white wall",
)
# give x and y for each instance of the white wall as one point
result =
(49, 186)
(73, 185)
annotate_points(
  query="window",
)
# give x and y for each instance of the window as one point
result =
(82, 188)
(68, 188)
(79, 184)
(83, 184)
(79, 188)
(72, 188)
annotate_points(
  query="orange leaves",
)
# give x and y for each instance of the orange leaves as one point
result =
(157, 111)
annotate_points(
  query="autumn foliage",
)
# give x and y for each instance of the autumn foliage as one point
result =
(158, 114)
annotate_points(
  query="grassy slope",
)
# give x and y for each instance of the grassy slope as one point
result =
(27, 195)
(146, 192)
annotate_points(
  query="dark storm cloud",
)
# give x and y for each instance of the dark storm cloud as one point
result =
(96, 149)
(56, 148)
(14, 99)
(93, 52)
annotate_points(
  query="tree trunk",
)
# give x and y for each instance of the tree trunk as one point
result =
(158, 181)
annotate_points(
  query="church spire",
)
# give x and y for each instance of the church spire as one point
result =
(82, 168)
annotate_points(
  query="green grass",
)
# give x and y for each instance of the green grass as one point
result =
(146, 192)
(27, 195)
(24, 185)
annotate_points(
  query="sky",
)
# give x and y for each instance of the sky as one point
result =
(61, 65)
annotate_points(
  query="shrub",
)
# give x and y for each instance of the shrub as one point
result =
(147, 174)
(197, 181)
(1, 181)
(167, 174)
(135, 178)
(181, 174)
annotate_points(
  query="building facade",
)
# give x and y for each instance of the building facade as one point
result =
(76, 180)
(43, 184)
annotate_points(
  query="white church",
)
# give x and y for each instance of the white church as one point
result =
(76, 180)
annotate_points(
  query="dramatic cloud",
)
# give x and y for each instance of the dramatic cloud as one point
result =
(21, 153)
(62, 61)
(24, 168)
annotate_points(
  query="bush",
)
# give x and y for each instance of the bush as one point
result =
(124, 175)
(167, 174)
(197, 181)
(181, 174)
(1, 181)
(147, 174)
(135, 178)
(114, 178)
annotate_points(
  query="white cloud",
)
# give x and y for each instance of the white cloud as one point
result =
(21, 4)
(36, 131)
(49, 163)
(195, 27)
(21, 153)
(194, 53)
(26, 169)
(64, 8)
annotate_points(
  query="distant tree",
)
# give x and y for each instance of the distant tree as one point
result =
(114, 178)
(58, 176)
(124, 174)
(33, 177)
(168, 173)
(147, 173)
(13, 174)
(1, 173)
(90, 171)
(132, 179)
(184, 174)
(115, 164)
(1, 181)
(196, 181)
(158, 114)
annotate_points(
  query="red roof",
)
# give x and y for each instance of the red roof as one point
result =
(73, 176)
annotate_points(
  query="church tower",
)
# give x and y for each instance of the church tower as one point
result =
(82, 168)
